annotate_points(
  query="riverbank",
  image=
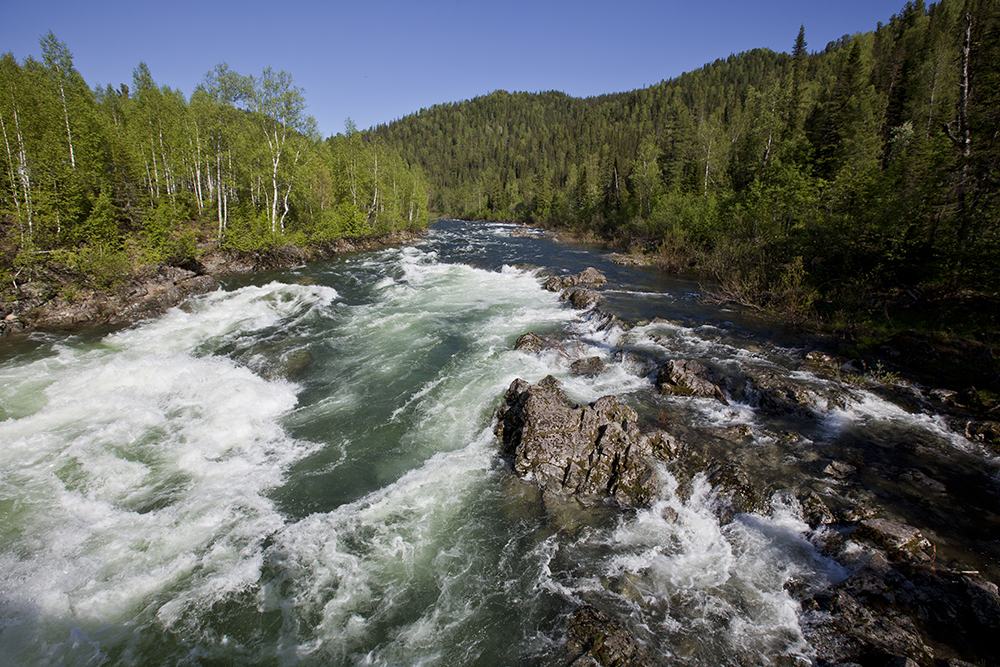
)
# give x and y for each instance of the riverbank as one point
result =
(53, 298)
(323, 438)
(936, 337)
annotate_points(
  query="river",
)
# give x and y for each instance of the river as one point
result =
(300, 469)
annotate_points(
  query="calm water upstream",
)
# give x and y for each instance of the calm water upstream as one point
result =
(300, 470)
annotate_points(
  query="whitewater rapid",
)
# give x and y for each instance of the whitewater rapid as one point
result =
(300, 469)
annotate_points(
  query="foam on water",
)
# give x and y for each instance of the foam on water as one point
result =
(306, 474)
(137, 484)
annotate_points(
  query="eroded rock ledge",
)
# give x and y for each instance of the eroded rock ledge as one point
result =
(149, 297)
(49, 303)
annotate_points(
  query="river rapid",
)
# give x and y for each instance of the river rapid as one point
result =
(300, 469)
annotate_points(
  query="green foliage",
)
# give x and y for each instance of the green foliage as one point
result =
(104, 267)
(853, 159)
(100, 179)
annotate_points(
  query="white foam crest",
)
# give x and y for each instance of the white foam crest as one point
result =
(869, 409)
(141, 473)
(726, 581)
(353, 565)
(715, 414)
(222, 316)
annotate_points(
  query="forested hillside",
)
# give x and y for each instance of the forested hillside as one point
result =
(98, 184)
(857, 178)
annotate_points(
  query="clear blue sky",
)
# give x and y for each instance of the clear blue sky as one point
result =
(378, 60)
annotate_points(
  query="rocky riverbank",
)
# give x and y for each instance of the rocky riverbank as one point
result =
(56, 300)
(906, 599)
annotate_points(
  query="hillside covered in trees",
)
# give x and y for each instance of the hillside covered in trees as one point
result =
(854, 185)
(849, 182)
(96, 185)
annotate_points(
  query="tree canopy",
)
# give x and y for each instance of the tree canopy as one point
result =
(868, 167)
(105, 181)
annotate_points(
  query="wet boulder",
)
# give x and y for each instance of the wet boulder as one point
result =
(531, 343)
(591, 452)
(687, 377)
(589, 276)
(582, 299)
(588, 366)
(779, 394)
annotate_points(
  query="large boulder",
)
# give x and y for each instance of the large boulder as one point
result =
(589, 276)
(582, 299)
(591, 452)
(687, 377)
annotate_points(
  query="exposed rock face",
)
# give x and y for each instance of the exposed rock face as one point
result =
(531, 343)
(596, 638)
(582, 299)
(592, 451)
(589, 276)
(687, 377)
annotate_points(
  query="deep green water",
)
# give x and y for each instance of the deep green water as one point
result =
(300, 470)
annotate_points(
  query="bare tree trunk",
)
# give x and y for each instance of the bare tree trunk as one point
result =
(218, 198)
(373, 211)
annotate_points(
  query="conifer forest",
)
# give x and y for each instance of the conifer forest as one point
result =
(851, 184)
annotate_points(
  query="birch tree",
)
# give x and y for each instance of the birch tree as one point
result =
(59, 61)
(280, 109)
(17, 158)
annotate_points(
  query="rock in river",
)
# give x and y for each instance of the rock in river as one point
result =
(591, 452)
(589, 276)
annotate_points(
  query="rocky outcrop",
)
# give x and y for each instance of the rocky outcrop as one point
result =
(687, 377)
(594, 637)
(582, 299)
(592, 452)
(148, 297)
(589, 276)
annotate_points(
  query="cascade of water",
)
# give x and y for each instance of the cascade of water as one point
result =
(300, 469)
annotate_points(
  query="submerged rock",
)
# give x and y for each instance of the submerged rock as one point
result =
(588, 366)
(593, 451)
